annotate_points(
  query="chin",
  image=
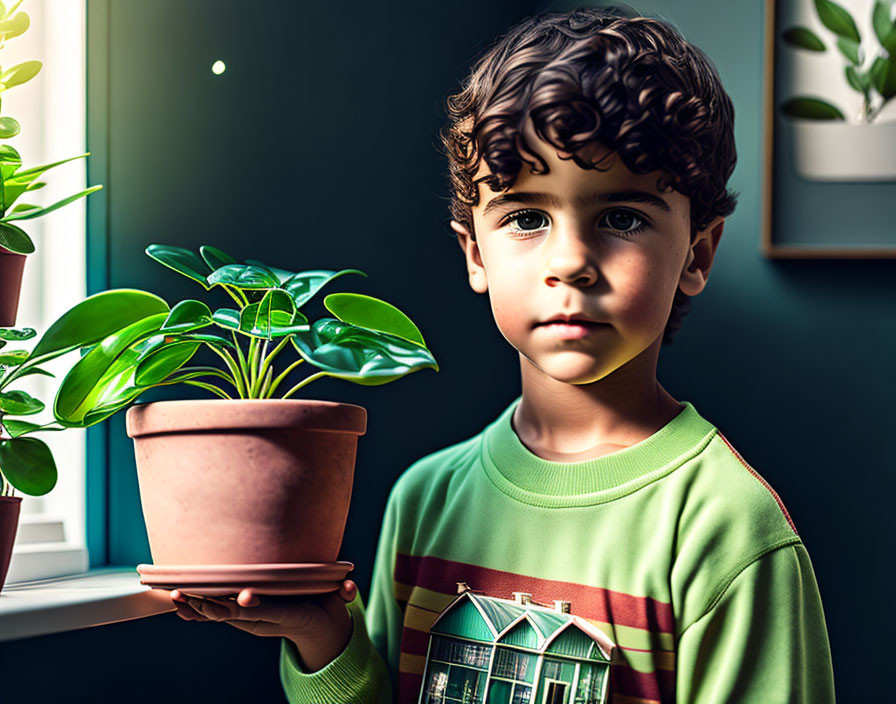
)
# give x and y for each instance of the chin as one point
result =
(569, 373)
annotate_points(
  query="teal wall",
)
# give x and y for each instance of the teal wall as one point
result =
(317, 150)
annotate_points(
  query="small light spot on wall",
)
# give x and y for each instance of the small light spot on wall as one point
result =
(218, 68)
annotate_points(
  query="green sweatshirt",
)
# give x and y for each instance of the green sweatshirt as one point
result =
(675, 548)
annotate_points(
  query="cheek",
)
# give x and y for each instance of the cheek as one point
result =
(644, 289)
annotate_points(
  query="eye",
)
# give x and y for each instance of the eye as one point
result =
(528, 221)
(621, 220)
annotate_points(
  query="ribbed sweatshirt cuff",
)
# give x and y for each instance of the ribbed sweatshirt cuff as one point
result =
(357, 675)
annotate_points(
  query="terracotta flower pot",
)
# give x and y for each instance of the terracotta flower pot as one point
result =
(9, 523)
(245, 481)
(11, 268)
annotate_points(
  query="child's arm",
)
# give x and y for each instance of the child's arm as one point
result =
(358, 674)
(764, 640)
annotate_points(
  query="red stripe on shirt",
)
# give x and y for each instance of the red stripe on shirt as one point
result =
(596, 603)
(762, 480)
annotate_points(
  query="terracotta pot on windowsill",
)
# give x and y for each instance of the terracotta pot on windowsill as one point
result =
(10, 506)
(11, 269)
(245, 481)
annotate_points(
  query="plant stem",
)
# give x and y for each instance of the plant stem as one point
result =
(201, 384)
(253, 367)
(269, 358)
(213, 371)
(302, 383)
(243, 366)
(237, 380)
(267, 383)
(282, 376)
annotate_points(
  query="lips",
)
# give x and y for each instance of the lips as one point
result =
(573, 319)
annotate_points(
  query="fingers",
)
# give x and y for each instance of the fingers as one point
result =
(348, 591)
(247, 598)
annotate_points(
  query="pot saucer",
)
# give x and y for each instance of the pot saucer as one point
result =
(263, 578)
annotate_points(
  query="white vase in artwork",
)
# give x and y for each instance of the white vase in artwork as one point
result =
(832, 150)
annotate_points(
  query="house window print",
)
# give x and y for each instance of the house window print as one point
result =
(485, 650)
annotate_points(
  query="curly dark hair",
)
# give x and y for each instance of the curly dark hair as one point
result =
(604, 74)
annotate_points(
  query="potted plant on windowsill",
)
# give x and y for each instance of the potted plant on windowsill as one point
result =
(15, 243)
(247, 478)
(827, 146)
(26, 463)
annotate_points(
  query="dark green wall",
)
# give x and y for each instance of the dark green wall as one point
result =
(316, 149)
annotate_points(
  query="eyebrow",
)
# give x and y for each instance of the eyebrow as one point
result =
(631, 196)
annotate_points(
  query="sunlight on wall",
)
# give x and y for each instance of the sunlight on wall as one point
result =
(51, 110)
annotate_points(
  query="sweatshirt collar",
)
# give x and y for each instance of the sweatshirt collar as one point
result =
(517, 471)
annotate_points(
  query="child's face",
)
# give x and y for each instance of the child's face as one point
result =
(617, 263)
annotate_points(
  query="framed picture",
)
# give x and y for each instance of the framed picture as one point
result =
(829, 132)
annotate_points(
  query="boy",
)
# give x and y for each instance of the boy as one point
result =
(588, 157)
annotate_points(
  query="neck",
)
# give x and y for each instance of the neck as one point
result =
(565, 422)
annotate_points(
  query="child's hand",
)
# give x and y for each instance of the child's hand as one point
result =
(319, 625)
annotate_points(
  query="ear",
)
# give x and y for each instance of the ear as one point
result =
(475, 267)
(700, 256)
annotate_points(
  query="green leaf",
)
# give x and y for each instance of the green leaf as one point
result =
(281, 274)
(884, 28)
(13, 358)
(19, 403)
(215, 340)
(17, 334)
(811, 109)
(275, 309)
(9, 161)
(164, 361)
(372, 314)
(188, 315)
(15, 239)
(102, 372)
(23, 180)
(360, 355)
(837, 19)
(803, 38)
(14, 26)
(34, 370)
(227, 318)
(22, 207)
(883, 76)
(9, 127)
(95, 318)
(304, 285)
(214, 257)
(855, 79)
(246, 322)
(31, 213)
(243, 276)
(21, 427)
(28, 465)
(181, 260)
(38, 170)
(851, 50)
(20, 73)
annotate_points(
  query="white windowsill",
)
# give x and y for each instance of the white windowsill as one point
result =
(94, 598)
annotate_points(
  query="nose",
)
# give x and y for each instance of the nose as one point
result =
(568, 259)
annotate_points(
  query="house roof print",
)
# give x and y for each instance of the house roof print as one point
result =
(519, 621)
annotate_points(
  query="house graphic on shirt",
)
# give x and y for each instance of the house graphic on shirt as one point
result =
(485, 650)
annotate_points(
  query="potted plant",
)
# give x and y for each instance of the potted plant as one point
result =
(253, 476)
(26, 463)
(827, 146)
(15, 243)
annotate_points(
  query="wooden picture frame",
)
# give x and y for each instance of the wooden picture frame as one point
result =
(823, 219)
